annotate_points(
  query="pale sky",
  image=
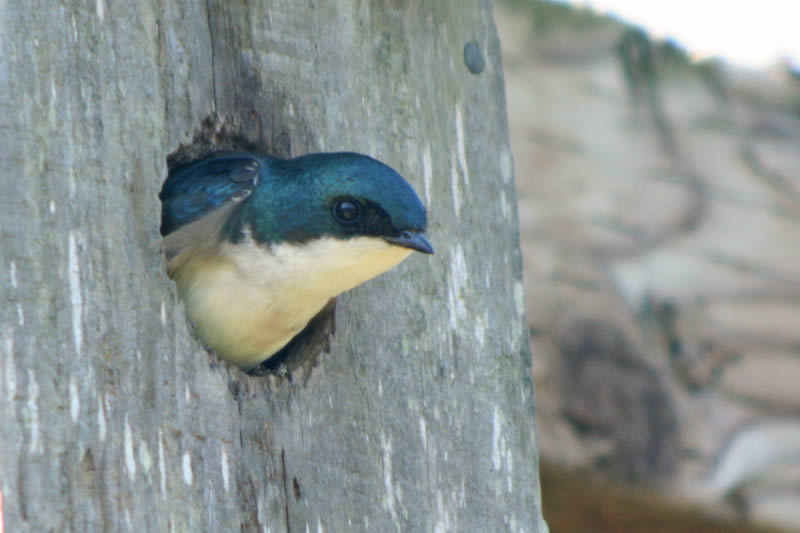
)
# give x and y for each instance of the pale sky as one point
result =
(748, 33)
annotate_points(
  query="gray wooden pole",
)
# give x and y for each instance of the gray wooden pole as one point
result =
(419, 415)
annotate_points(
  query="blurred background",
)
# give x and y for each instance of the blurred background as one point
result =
(657, 155)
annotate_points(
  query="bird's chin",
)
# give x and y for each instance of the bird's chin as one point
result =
(326, 266)
(370, 258)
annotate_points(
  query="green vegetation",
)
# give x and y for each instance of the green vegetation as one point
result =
(644, 61)
(548, 15)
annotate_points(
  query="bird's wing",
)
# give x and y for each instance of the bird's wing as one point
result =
(197, 200)
(195, 190)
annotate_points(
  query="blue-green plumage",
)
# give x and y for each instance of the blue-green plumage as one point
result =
(289, 200)
(275, 239)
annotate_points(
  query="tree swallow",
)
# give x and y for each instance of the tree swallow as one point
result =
(257, 245)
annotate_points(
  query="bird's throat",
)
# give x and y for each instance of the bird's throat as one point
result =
(249, 300)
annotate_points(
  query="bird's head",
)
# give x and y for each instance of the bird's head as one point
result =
(340, 214)
(336, 195)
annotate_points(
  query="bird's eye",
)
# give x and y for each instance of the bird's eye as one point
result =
(346, 211)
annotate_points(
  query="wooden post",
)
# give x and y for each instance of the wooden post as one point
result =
(418, 415)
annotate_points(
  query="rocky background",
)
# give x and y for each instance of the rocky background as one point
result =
(660, 216)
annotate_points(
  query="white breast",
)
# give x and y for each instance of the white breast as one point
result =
(249, 301)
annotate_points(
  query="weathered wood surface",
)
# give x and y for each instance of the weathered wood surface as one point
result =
(419, 417)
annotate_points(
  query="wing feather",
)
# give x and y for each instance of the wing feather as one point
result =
(195, 190)
(196, 201)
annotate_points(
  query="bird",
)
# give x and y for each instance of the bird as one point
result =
(258, 245)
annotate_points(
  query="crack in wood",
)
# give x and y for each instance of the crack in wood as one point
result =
(285, 491)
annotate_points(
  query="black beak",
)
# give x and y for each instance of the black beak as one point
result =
(413, 240)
